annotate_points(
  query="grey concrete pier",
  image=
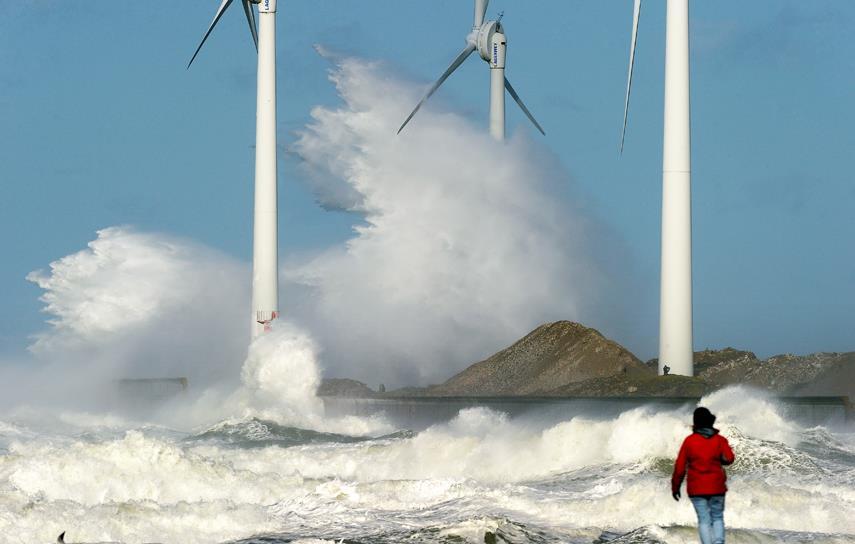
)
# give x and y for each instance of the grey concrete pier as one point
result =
(420, 412)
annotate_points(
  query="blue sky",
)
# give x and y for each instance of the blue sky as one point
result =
(102, 125)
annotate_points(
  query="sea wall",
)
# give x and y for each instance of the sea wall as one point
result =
(420, 412)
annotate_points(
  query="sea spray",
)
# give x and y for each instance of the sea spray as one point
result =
(460, 246)
(757, 411)
(145, 305)
(124, 281)
(281, 373)
(455, 252)
(279, 382)
(132, 305)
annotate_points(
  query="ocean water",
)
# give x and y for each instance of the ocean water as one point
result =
(481, 475)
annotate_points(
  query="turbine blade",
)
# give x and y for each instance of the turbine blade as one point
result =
(454, 65)
(519, 102)
(250, 18)
(480, 12)
(219, 14)
(636, 14)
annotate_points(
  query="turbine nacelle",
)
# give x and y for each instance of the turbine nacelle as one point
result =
(483, 39)
(265, 6)
(488, 38)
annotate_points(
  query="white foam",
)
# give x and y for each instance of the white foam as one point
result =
(484, 445)
(281, 375)
(10, 429)
(280, 378)
(592, 473)
(756, 412)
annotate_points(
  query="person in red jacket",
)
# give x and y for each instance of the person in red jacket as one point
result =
(702, 455)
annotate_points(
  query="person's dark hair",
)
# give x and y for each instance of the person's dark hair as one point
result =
(702, 418)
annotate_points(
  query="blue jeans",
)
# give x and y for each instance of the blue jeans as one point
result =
(710, 512)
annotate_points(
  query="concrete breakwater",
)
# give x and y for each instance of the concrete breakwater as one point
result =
(420, 412)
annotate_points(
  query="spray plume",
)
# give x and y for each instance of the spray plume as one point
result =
(462, 245)
(466, 244)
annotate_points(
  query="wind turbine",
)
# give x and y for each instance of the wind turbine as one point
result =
(488, 38)
(675, 305)
(265, 280)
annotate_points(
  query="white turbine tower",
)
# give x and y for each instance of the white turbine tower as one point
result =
(265, 280)
(489, 39)
(675, 305)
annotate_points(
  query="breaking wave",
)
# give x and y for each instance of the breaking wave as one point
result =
(581, 478)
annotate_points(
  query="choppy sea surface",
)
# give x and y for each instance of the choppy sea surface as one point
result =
(480, 477)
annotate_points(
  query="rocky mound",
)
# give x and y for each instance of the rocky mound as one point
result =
(814, 374)
(837, 377)
(817, 373)
(553, 355)
(720, 366)
(568, 359)
(717, 365)
(342, 387)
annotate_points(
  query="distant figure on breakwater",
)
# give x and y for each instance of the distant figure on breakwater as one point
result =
(702, 455)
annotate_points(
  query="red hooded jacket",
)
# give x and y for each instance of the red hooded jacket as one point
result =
(703, 457)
